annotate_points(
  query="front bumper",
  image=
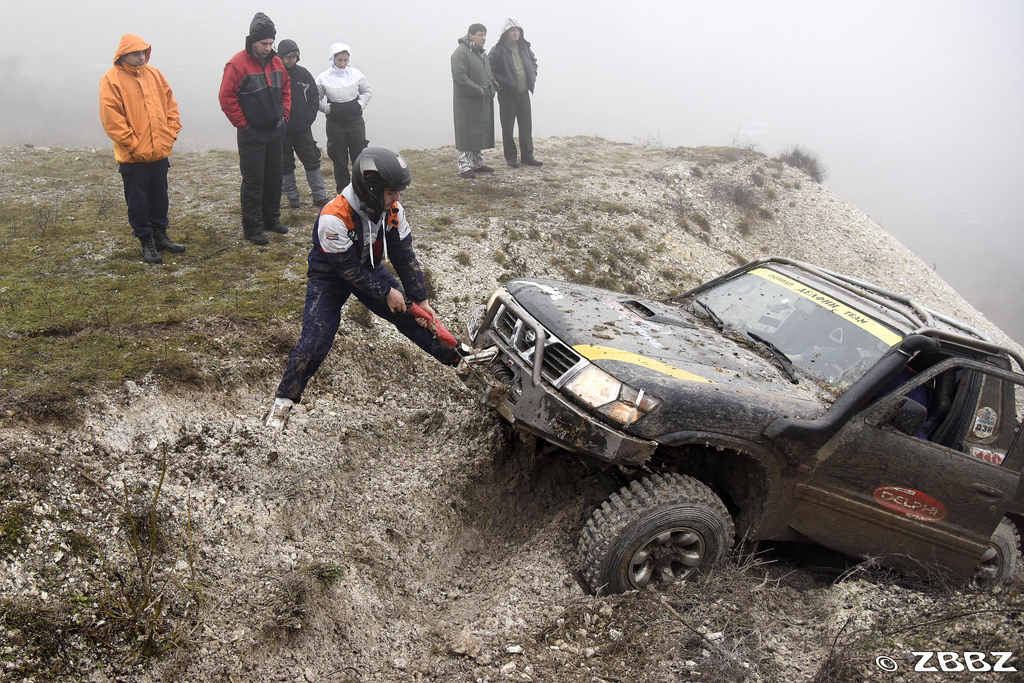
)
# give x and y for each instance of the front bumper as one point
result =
(521, 379)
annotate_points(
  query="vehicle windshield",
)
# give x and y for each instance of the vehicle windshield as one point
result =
(822, 337)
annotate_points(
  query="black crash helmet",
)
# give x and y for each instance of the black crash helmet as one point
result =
(375, 169)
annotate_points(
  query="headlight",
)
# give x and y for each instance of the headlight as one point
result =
(610, 397)
(594, 386)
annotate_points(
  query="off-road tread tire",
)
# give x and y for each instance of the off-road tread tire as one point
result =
(630, 505)
(1007, 537)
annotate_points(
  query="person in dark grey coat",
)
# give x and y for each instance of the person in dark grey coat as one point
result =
(515, 70)
(474, 89)
(298, 139)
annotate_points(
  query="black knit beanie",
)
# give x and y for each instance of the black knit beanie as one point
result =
(261, 28)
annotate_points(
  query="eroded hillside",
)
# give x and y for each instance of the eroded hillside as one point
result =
(153, 529)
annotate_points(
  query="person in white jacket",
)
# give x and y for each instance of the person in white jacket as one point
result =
(344, 94)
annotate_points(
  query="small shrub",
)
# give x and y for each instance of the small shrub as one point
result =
(613, 208)
(14, 521)
(744, 198)
(462, 258)
(745, 226)
(806, 161)
(359, 314)
(428, 279)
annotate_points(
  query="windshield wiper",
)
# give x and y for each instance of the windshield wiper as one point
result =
(782, 358)
(711, 314)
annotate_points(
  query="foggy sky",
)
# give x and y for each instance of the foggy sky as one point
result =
(915, 107)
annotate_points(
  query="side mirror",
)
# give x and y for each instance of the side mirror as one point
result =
(909, 417)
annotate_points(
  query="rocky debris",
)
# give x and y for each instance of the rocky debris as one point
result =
(396, 530)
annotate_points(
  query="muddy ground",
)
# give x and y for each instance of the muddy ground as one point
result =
(397, 530)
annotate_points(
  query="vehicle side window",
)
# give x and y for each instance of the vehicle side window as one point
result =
(970, 411)
(992, 421)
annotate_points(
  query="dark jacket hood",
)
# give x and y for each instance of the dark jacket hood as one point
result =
(288, 46)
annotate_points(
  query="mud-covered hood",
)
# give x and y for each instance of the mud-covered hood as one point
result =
(646, 342)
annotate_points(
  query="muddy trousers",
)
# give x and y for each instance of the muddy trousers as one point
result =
(259, 159)
(302, 145)
(145, 193)
(322, 316)
(510, 108)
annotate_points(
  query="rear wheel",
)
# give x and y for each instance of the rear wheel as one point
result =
(1001, 562)
(656, 530)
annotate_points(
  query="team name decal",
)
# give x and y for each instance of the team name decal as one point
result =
(910, 503)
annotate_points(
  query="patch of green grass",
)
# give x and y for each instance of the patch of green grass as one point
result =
(15, 518)
(328, 572)
(82, 313)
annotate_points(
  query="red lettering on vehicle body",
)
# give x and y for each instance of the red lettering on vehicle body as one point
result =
(910, 503)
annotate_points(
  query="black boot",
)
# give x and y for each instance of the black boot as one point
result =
(164, 243)
(149, 252)
(256, 236)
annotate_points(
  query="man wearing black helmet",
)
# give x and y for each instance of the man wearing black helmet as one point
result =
(355, 233)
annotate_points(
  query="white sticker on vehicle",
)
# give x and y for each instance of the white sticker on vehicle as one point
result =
(985, 422)
(994, 457)
(550, 291)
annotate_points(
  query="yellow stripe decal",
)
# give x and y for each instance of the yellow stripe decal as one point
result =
(869, 325)
(593, 352)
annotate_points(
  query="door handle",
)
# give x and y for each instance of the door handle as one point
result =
(987, 493)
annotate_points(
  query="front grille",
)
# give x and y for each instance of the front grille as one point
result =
(558, 360)
(505, 324)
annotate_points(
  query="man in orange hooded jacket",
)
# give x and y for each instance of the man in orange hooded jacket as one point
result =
(139, 113)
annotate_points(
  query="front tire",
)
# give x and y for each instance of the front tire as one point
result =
(1001, 562)
(656, 530)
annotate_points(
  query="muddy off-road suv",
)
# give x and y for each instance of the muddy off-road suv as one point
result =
(780, 401)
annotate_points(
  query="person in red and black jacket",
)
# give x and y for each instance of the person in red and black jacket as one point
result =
(256, 96)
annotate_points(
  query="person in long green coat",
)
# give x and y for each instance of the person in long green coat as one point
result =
(474, 89)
